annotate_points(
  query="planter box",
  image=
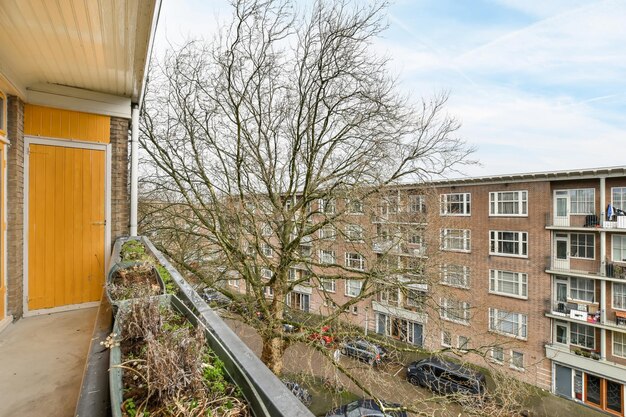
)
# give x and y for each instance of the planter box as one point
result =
(120, 266)
(621, 222)
(115, 357)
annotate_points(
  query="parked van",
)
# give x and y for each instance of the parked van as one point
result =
(446, 377)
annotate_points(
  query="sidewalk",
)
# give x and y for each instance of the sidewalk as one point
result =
(42, 360)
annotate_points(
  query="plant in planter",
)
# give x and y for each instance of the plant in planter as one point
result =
(618, 271)
(129, 280)
(166, 367)
(134, 250)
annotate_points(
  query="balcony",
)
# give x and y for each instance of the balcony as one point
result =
(68, 335)
(397, 248)
(562, 354)
(588, 313)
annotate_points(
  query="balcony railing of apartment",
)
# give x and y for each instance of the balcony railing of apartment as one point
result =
(265, 393)
(587, 221)
(586, 360)
(396, 248)
(589, 314)
(598, 269)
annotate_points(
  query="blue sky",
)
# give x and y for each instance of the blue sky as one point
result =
(537, 85)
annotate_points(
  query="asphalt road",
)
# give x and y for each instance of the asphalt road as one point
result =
(387, 381)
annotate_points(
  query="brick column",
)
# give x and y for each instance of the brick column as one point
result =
(15, 206)
(120, 194)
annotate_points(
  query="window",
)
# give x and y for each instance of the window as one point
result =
(581, 335)
(508, 283)
(415, 298)
(417, 204)
(389, 295)
(455, 204)
(328, 232)
(354, 206)
(463, 343)
(455, 240)
(455, 275)
(582, 201)
(266, 230)
(618, 197)
(582, 289)
(354, 232)
(327, 205)
(267, 250)
(327, 256)
(508, 203)
(619, 344)
(454, 310)
(561, 332)
(446, 339)
(233, 282)
(517, 360)
(300, 275)
(266, 273)
(355, 261)
(619, 295)
(582, 245)
(619, 248)
(269, 292)
(415, 238)
(497, 354)
(298, 301)
(508, 243)
(509, 324)
(353, 287)
(328, 285)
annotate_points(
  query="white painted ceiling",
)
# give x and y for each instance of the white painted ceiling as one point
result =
(97, 45)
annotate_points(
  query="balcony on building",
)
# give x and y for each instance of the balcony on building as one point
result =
(585, 361)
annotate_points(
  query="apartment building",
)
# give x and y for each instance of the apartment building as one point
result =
(523, 273)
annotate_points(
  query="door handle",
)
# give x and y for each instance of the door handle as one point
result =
(102, 223)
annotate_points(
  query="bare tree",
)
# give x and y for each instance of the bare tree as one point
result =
(262, 139)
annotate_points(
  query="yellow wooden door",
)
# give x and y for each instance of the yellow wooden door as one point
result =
(66, 216)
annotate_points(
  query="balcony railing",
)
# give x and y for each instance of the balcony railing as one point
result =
(589, 313)
(396, 248)
(591, 221)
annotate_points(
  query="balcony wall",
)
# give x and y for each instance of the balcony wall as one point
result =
(604, 368)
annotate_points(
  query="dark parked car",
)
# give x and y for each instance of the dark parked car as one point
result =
(368, 408)
(299, 391)
(446, 377)
(364, 350)
(215, 298)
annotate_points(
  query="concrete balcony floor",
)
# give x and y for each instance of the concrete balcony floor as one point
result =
(42, 359)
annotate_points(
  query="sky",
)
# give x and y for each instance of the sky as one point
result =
(538, 85)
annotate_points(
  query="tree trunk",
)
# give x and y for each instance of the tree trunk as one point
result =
(272, 354)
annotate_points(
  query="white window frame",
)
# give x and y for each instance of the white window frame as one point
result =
(498, 316)
(448, 304)
(266, 230)
(464, 204)
(332, 282)
(464, 235)
(617, 295)
(350, 287)
(520, 239)
(620, 202)
(352, 259)
(354, 233)
(463, 343)
(452, 270)
(581, 289)
(588, 329)
(269, 292)
(267, 250)
(327, 256)
(496, 282)
(618, 247)
(417, 203)
(266, 273)
(328, 232)
(446, 338)
(327, 205)
(520, 200)
(573, 250)
(576, 194)
(234, 282)
(354, 206)
(621, 343)
(493, 356)
(512, 360)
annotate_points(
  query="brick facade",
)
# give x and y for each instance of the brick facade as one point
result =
(15, 206)
(120, 194)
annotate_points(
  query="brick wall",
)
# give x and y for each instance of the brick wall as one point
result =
(120, 196)
(15, 206)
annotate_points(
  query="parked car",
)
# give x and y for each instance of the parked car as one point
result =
(446, 377)
(215, 298)
(324, 336)
(368, 408)
(299, 391)
(364, 350)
